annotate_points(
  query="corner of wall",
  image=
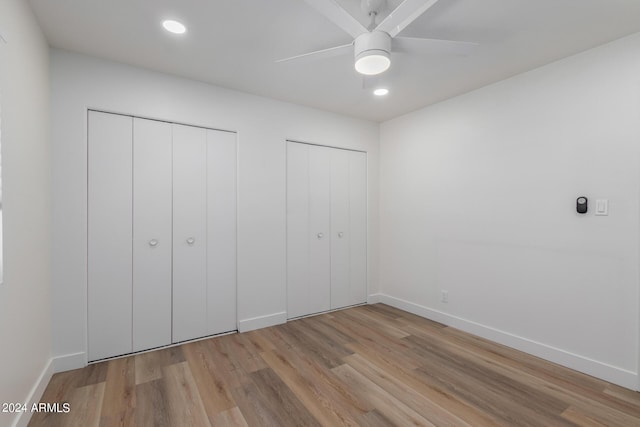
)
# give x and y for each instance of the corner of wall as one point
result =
(35, 394)
(262, 321)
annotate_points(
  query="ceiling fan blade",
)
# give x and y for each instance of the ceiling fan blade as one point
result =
(322, 54)
(336, 14)
(404, 15)
(432, 46)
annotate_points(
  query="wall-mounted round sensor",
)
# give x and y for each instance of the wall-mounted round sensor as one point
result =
(582, 205)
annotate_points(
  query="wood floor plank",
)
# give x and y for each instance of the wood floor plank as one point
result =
(371, 338)
(328, 353)
(392, 408)
(94, 374)
(526, 362)
(259, 340)
(606, 414)
(243, 352)
(369, 365)
(323, 407)
(383, 325)
(428, 389)
(327, 381)
(119, 392)
(151, 404)
(578, 418)
(374, 419)
(230, 418)
(320, 326)
(213, 389)
(184, 404)
(148, 367)
(570, 393)
(125, 418)
(516, 391)
(384, 331)
(86, 404)
(171, 355)
(623, 394)
(228, 369)
(493, 399)
(386, 311)
(275, 392)
(404, 393)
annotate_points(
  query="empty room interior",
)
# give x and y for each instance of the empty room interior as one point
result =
(320, 212)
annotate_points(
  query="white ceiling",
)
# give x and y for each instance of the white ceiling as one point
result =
(234, 43)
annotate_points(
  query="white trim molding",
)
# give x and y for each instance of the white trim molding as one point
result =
(22, 419)
(262, 321)
(613, 374)
(69, 362)
(375, 298)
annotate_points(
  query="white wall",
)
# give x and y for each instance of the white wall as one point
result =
(25, 343)
(81, 82)
(478, 198)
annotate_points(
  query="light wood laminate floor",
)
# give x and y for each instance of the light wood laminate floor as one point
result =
(370, 365)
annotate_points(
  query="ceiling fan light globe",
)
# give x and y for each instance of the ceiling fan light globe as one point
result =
(374, 62)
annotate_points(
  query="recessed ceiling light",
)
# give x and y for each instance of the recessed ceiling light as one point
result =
(174, 27)
(381, 92)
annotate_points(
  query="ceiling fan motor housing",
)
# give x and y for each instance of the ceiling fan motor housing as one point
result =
(372, 52)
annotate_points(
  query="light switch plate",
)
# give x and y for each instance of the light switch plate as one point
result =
(602, 207)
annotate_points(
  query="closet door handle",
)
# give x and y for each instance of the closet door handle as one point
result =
(153, 243)
(340, 234)
(320, 235)
(191, 241)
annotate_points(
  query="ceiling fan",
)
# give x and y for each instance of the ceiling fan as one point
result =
(372, 46)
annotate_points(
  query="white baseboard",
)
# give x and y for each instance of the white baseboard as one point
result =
(262, 321)
(375, 298)
(577, 362)
(22, 419)
(69, 362)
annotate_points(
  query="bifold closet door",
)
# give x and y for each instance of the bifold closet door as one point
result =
(109, 248)
(308, 229)
(189, 232)
(161, 233)
(340, 233)
(326, 228)
(221, 232)
(348, 228)
(204, 232)
(357, 293)
(152, 240)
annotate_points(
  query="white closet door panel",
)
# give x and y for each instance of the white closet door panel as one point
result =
(109, 234)
(297, 229)
(221, 231)
(319, 279)
(340, 234)
(152, 158)
(189, 233)
(357, 227)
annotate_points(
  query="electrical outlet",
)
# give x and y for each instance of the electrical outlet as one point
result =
(445, 297)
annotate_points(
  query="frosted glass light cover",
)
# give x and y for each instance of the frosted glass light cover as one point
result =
(372, 64)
